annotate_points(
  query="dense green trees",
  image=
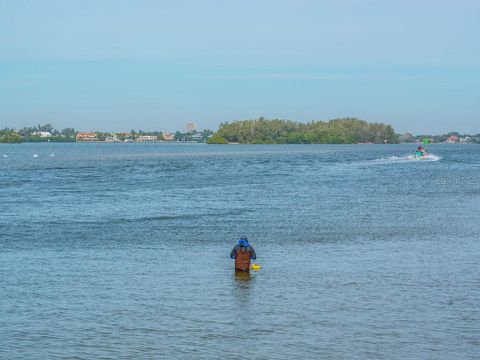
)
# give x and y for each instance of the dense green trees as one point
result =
(217, 139)
(9, 136)
(337, 131)
(69, 132)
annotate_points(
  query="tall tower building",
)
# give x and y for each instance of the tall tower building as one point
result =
(191, 127)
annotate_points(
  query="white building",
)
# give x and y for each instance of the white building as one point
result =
(197, 137)
(111, 138)
(146, 138)
(191, 127)
(42, 134)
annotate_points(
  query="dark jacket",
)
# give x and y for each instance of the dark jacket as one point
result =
(248, 248)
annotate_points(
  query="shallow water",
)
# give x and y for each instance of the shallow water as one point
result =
(121, 251)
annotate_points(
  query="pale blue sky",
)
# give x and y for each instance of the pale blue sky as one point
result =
(145, 64)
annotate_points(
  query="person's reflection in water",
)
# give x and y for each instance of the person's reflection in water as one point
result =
(243, 286)
(242, 277)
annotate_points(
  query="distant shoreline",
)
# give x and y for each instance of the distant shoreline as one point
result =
(254, 132)
(227, 144)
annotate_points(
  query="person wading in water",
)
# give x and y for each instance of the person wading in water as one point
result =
(242, 253)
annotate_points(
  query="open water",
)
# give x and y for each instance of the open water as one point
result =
(120, 251)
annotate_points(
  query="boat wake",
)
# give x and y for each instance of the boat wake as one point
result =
(407, 158)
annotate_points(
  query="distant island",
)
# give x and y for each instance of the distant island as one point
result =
(255, 131)
(337, 131)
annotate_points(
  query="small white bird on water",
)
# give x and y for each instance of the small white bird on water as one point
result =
(52, 154)
(5, 155)
(35, 155)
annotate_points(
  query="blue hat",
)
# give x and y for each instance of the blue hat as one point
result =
(243, 241)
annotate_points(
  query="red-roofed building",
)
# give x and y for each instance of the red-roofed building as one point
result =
(168, 136)
(86, 136)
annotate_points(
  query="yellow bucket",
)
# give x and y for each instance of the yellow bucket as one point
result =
(256, 267)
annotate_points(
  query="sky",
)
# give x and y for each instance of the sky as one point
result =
(116, 65)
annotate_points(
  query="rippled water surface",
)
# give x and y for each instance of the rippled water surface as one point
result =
(121, 251)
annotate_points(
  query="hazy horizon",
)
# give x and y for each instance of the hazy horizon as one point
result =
(116, 65)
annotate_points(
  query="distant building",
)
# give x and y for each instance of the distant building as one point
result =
(191, 127)
(146, 138)
(111, 138)
(124, 136)
(465, 139)
(42, 134)
(86, 136)
(168, 136)
(197, 137)
(452, 139)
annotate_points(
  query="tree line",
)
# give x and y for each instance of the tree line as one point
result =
(276, 131)
(32, 134)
